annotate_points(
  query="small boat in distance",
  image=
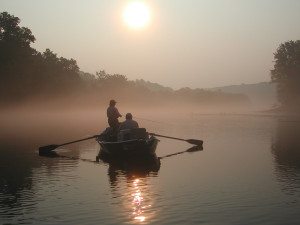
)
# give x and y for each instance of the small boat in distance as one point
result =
(133, 142)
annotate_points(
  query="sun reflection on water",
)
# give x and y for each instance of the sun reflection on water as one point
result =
(129, 179)
(138, 204)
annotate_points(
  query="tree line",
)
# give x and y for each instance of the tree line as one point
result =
(27, 74)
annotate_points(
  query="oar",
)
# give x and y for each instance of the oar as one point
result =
(44, 150)
(191, 141)
(192, 149)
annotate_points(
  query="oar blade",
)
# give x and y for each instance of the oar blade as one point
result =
(195, 148)
(44, 150)
(195, 142)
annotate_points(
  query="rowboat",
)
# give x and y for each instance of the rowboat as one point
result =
(130, 142)
(134, 142)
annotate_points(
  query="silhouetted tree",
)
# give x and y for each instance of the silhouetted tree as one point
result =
(111, 78)
(25, 72)
(11, 32)
(16, 56)
(60, 71)
(286, 73)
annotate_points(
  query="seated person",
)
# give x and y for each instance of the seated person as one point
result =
(129, 123)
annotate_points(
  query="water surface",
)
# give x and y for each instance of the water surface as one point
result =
(247, 173)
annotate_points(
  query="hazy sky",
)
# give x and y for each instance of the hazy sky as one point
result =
(194, 43)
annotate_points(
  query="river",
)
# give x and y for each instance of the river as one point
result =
(247, 173)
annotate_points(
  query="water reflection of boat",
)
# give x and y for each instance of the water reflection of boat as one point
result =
(131, 165)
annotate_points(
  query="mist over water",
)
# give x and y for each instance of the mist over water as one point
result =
(247, 173)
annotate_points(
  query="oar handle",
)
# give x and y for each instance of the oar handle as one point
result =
(71, 142)
(159, 135)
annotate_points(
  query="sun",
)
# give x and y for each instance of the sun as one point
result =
(136, 15)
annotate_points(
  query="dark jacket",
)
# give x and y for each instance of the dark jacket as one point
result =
(129, 124)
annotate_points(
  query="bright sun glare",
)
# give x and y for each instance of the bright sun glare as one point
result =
(136, 15)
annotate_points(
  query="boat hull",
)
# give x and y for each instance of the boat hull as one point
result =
(135, 147)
